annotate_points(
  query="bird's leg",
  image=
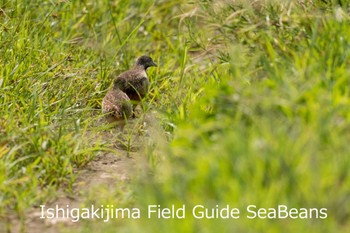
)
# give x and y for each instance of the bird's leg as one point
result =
(134, 110)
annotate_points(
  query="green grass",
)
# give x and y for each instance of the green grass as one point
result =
(253, 95)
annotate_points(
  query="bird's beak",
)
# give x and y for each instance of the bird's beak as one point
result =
(154, 64)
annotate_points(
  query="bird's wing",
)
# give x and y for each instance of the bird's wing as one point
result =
(139, 84)
(133, 82)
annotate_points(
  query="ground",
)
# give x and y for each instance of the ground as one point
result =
(108, 172)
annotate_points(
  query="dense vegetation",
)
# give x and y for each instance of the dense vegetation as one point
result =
(253, 95)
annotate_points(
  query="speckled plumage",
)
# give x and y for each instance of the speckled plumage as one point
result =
(134, 83)
(128, 89)
(117, 104)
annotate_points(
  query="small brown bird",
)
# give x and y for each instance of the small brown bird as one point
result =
(128, 89)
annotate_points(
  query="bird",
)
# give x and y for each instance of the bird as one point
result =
(129, 88)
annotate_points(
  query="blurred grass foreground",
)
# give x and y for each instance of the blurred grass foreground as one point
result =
(254, 97)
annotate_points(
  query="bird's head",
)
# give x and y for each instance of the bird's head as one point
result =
(145, 61)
